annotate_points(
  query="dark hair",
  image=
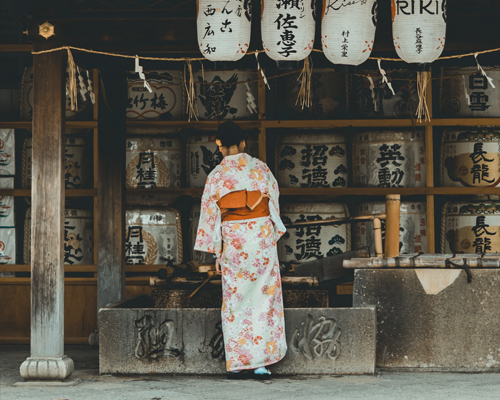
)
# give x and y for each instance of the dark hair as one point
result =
(230, 134)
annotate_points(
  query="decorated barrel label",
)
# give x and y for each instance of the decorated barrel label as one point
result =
(200, 256)
(77, 163)
(78, 237)
(327, 95)
(471, 227)
(7, 152)
(226, 94)
(203, 156)
(165, 102)
(372, 97)
(389, 159)
(466, 92)
(470, 158)
(7, 247)
(84, 94)
(311, 160)
(412, 227)
(311, 242)
(153, 236)
(7, 203)
(154, 162)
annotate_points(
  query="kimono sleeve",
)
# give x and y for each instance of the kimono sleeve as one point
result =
(207, 238)
(274, 194)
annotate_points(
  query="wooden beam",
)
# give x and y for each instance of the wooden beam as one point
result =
(47, 232)
(111, 188)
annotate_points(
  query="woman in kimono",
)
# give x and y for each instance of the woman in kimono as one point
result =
(240, 224)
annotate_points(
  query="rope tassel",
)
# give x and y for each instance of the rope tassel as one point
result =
(422, 109)
(72, 86)
(305, 95)
(190, 92)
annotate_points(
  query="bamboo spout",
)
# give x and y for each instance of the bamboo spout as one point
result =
(392, 210)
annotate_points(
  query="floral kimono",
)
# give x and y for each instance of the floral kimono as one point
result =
(252, 308)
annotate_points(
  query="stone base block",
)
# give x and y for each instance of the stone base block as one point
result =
(434, 319)
(46, 368)
(152, 340)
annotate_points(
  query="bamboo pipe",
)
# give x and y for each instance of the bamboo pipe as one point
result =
(377, 231)
(335, 221)
(392, 210)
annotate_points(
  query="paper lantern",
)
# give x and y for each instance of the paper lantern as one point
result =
(348, 30)
(419, 29)
(224, 28)
(287, 29)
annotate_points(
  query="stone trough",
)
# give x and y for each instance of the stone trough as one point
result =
(135, 337)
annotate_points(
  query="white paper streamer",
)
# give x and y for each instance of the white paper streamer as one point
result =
(140, 71)
(90, 88)
(384, 77)
(251, 106)
(372, 89)
(261, 72)
(467, 96)
(490, 80)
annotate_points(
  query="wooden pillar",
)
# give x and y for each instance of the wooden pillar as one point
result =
(47, 360)
(111, 188)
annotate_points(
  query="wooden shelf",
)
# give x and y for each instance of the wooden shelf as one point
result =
(151, 127)
(67, 192)
(27, 268)
(178, 192)
(28, 125)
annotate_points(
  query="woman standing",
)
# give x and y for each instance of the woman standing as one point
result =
(240, 224)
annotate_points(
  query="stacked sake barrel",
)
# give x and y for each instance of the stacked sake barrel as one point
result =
(412, 230)
(78, 237)
(85, 96)
(153, 236)
(77, 163)
(466, 92)
(226, 94)
(312, 160)
(7, 222)
(371, 97)
(154, 162)
(328, 96)
(389, 159)
(166, 101)
(309, 243)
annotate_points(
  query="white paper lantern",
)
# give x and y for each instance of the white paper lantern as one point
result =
(287, 29)
(348, 30)
(224, 28)
(419, 29)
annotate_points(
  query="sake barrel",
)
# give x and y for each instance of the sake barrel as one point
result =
(389, 159)
(7, 247)
(470, 227)
(374, 99)
(309, 243)
(412, 226)
(6, 203)
(200, 256)
(470, 157)
(7, 152)
(203, 156)
(154, 162)
(78, 168)
(78, 237)
(327, 95)
(166, 102)
(311, 160)
(153, 236)
(84, 91)
(465, 92)
(226, 94)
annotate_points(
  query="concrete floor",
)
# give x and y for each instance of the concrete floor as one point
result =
(384, 385)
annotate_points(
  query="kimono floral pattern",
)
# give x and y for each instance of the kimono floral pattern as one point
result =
(252, 308)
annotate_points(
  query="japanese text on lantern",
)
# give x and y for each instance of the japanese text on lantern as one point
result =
(286, 24)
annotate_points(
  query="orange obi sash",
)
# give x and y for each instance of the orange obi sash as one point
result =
(243, 204)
